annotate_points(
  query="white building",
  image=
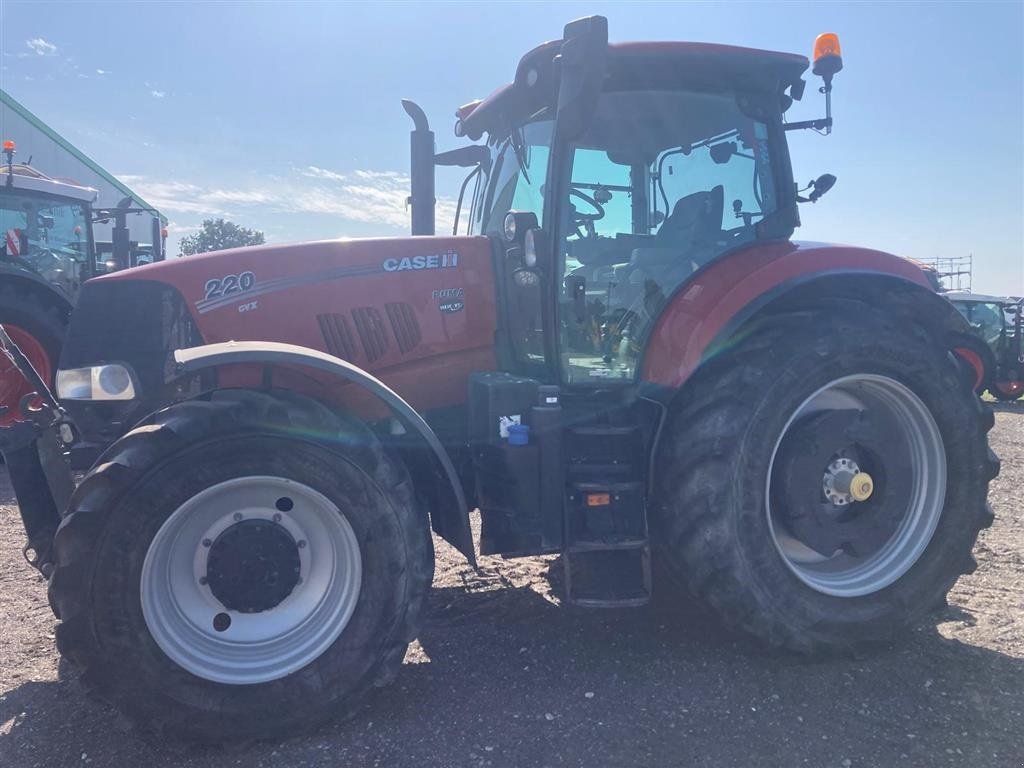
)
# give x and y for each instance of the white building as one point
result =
(55, 156)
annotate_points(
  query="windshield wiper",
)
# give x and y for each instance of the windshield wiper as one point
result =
(517, 148)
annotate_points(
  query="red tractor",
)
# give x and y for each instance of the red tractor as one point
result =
(625, 358)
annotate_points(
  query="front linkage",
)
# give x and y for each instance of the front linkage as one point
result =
(32, 445)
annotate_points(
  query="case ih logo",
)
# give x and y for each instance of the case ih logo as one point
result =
(433, 261)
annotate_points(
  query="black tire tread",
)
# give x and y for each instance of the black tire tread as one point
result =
(700, 454)
(173, 430)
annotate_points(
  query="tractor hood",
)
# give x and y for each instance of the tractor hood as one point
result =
(209, 281)
(419, 313)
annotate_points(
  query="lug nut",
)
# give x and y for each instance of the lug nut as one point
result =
(207, 542)
(237, 516)
(203, 580)
(277, 518)
(302, 543)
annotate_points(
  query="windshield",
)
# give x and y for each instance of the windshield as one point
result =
(519, 169)
(47, 235)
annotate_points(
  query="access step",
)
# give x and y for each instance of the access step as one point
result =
(603, 451)
(608, 578)
(607, 551)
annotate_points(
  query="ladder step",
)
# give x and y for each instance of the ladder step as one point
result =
(607, 546)
(601, 449)
(608, 578)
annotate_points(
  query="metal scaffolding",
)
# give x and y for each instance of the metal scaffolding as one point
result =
(954, 271)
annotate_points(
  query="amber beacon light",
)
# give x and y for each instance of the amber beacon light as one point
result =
(828, 56)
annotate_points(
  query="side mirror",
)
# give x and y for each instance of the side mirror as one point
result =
(820, 185)
(464, 157)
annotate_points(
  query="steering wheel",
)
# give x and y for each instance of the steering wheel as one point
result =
(586, 220)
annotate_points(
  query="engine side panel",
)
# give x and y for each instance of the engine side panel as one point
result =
(419, 313)
(725, 292)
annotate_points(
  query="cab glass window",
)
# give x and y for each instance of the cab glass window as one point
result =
(45, 235)
(519, 171)
(662, 183)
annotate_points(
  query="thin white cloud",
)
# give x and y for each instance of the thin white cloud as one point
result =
(157, 94)
(102, 72)
(363, 196)
(41, 47)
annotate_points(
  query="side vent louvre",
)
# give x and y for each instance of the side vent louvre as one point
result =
(337, 333)
(404, 324)
(370, 327)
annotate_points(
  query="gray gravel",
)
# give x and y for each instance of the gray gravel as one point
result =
(505, 676)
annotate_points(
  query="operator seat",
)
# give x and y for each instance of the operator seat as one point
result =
(695, 220)
(686, 240)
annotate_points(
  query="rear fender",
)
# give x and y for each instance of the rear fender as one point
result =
(436, 477)
(706, 313)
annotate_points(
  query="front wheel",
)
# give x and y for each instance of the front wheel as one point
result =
(243, 567)
(842, 497)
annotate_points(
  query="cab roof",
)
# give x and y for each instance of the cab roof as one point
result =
(653, 64)
(25, 178)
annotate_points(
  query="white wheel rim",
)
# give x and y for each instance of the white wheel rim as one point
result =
(843, 575)
(180, 609)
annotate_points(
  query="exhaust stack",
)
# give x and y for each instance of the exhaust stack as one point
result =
(421, 170)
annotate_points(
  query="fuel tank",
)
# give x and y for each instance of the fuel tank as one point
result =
(419, 313)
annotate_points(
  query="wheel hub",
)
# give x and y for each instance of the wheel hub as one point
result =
(856, 485)
(838, 509)
(844, 482)
(253, 566)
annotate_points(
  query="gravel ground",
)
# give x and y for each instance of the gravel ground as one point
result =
(505, 676)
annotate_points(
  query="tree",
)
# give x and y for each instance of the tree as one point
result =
(218, 234)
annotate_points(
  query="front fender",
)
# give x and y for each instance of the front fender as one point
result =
(450, 516)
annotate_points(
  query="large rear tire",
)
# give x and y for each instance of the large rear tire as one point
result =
(754, 510)
(242, 567)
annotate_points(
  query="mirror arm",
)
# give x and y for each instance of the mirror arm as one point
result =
(823, 123)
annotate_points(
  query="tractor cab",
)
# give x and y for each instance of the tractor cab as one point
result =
(608, 177)
(48, 230)
(998, 322)
(612, 174)
(46, 227)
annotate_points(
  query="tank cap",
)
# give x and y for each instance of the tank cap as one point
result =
(518, 434)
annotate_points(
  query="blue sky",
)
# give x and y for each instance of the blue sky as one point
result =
(286, 116)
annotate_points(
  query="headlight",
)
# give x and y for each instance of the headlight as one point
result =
(98, 382)
(510, 226)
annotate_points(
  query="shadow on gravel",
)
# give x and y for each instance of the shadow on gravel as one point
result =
(507, 677)
(1017, 406)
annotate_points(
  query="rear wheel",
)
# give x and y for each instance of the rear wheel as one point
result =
(841, 498)
(243, 567)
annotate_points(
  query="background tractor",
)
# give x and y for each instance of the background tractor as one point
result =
(47, 252)
(998, 322)
(284, 424)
